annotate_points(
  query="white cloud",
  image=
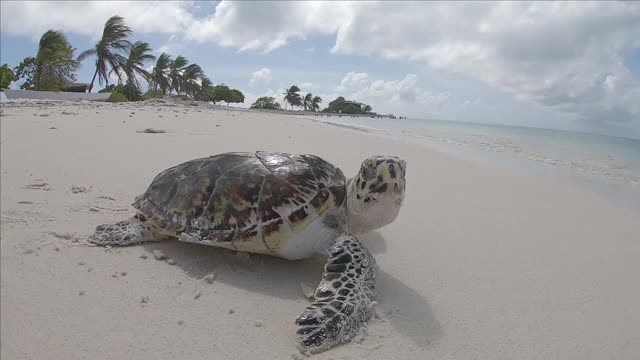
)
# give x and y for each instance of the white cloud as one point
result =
(306, 86)
(404, 90)
(402, 96)
(353, 81)
(559, 55)
(262, 76)
(262, 25)
(173, 46)
(88, 17)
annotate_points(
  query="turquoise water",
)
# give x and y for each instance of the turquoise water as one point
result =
(606, 164)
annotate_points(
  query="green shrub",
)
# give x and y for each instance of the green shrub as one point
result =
(117, 97)
(153, 94)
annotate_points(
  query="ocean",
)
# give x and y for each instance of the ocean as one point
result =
(607, 165)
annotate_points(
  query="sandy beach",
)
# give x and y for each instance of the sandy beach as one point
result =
(480, 264)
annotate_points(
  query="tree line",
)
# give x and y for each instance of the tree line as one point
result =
(53, 68)
(292, 97)
(309, 102)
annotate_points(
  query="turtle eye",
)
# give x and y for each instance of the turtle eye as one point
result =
(369, 172)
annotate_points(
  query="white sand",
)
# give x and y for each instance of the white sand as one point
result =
(480, 264)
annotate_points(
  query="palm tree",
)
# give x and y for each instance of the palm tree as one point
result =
(189, 79)
(133, 65)
(176, 68)
(315, 103)
(113, 41)
(160, 74)
(306, 102)
(54, 52)
(292, 97)
(205, 87)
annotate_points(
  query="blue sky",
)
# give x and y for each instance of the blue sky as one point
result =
(561, 65)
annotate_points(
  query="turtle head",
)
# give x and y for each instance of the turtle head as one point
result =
(376, 194)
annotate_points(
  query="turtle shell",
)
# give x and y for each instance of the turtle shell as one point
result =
(243, 201)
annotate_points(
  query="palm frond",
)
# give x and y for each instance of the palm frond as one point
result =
(112, 43)
(85, 54)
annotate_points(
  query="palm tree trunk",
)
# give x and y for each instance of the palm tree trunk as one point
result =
(94, 79)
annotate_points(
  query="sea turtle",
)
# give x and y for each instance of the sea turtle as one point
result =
(286, 205)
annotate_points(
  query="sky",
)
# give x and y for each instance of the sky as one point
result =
(563, 65)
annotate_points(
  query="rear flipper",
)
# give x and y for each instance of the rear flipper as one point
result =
(344, 297)
(128, 232)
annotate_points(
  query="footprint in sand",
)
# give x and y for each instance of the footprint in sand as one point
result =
(39, 185)
(106, 198)
(63, 236)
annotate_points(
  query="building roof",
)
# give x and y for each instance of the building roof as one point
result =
(355, 103)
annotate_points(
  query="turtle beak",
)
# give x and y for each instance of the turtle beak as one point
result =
(390, 178)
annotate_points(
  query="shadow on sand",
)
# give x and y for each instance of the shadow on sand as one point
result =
(411, 314)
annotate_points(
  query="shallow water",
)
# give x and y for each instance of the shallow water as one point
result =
(605, 164)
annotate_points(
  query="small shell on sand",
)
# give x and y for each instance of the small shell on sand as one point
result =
(78, 189)
(197, 294)
(209, 278)
(231, 311)
(257, 324)
(159, 254)
(81, 292)
(81, 263)
(171, 262)
(180, 322)
(144, 299)
(143, 256)
(124, 273)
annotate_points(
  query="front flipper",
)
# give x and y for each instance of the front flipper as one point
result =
(128, 232)
(344, 297)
